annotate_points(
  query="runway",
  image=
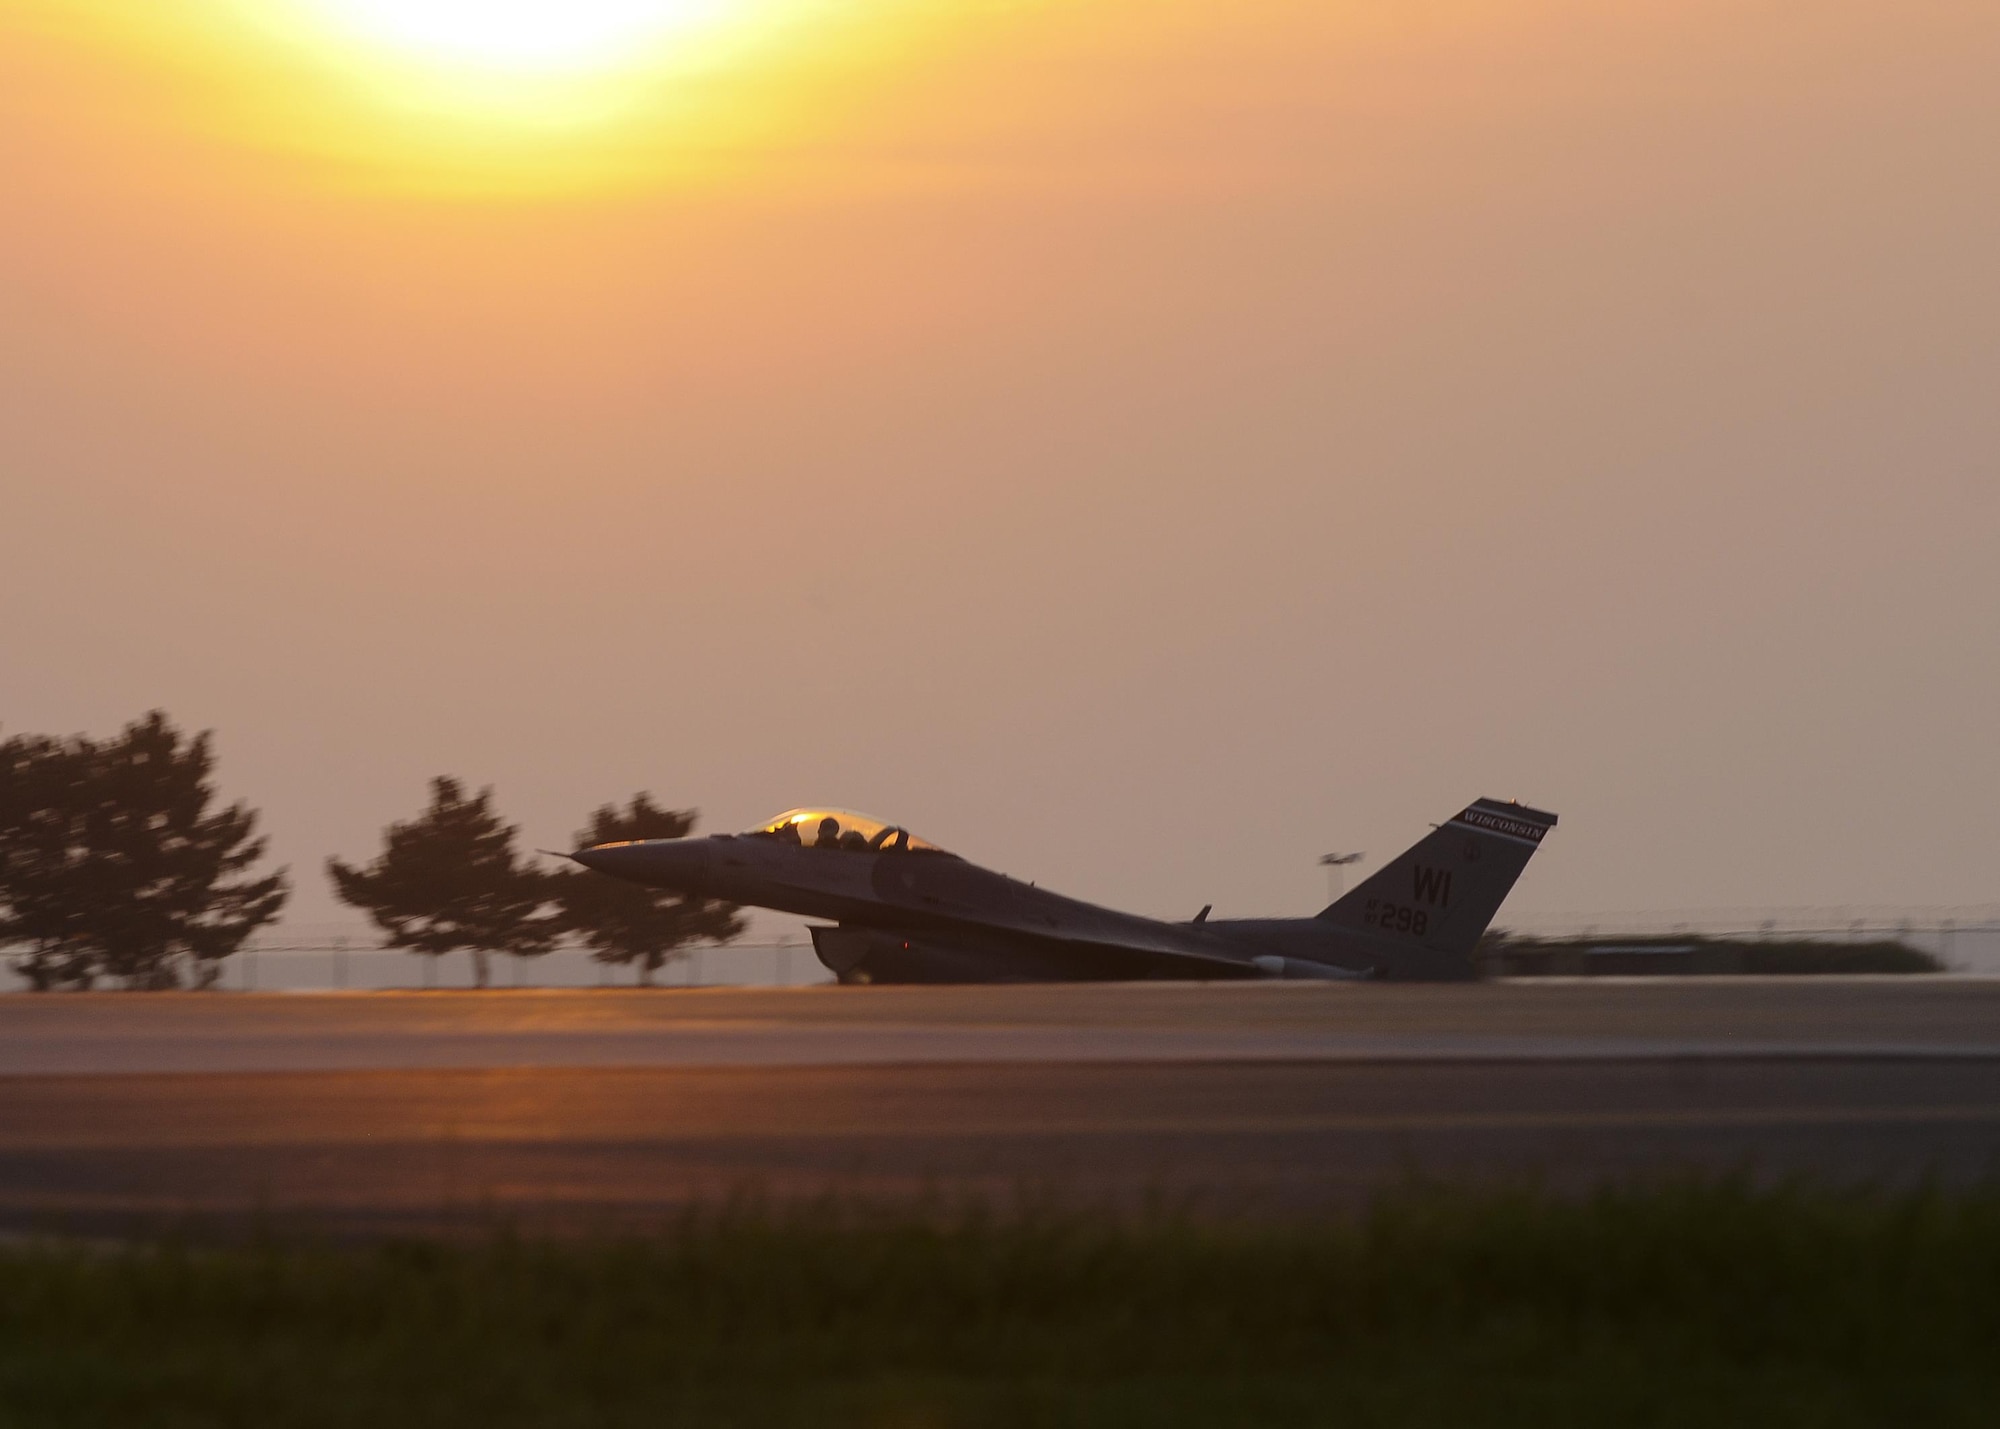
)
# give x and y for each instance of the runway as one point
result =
(384, 1111)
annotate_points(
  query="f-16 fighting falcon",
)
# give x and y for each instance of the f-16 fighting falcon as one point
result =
(901, 909)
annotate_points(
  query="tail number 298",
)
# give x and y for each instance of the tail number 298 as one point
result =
(1396, 917)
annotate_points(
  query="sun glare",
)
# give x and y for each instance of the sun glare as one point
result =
(515, 96)
(524, 35)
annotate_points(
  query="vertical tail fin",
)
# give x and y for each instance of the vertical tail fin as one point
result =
(1442, 893)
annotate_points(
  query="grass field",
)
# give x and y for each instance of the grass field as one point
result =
(1692, 1305)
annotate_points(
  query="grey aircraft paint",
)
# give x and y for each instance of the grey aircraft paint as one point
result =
(899, 909)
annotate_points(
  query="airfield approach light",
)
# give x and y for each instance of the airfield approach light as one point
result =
(1335, 865)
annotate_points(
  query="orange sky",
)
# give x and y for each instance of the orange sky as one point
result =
(1141, 445)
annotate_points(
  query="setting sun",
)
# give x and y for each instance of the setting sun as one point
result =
(509, 96)
(522, 35)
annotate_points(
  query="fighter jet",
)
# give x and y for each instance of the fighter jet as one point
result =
(899, 909)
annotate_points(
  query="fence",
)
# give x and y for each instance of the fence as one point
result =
(342, 963)
(344, 957)
(1965, 938)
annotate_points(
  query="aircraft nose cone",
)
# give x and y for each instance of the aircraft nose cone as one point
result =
(679, 864)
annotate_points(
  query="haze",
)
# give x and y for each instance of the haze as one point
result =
(1140, 446)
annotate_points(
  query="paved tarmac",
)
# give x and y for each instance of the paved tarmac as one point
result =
(416, 1111)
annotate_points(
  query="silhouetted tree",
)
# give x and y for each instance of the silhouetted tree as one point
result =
(628, 922)
(114, 866)
(448, 879)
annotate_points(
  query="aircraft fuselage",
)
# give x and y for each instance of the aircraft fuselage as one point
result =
(901, 910)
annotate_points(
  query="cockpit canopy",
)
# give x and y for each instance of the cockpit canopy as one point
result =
(842, 829)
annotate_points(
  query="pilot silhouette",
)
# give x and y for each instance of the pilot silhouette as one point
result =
(829, 833)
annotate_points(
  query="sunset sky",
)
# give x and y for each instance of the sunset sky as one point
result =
(1139, 444)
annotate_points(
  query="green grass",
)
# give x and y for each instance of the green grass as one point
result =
(1693, 1305)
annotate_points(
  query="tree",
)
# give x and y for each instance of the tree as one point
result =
(628, 922)
(115, 866)
(448, 879)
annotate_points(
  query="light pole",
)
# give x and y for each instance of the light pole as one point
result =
(1335, 865)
